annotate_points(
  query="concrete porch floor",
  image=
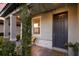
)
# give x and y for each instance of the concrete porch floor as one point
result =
(41, 51)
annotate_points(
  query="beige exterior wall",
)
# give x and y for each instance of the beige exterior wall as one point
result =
(72, 25)
(45, 39)
(78, 24)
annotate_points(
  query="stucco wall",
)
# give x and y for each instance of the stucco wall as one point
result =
(78, 24)
(45, 39)
(72, 25)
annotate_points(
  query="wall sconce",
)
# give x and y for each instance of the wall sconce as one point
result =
(18, 17)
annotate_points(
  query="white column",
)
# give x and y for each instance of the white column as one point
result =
(21, 31)
(6, 28)
(12, 28)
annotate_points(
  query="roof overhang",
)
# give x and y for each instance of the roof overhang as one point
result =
(9, 8)
(38, 8)
(35, 8)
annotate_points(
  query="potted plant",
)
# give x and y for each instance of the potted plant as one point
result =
(74, 46)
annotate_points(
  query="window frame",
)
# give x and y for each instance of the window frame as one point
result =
(33, 27)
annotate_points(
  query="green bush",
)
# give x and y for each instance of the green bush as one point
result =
(18, 37)
(6, 47)
(26, 30)
(1, 41)
(74, 46)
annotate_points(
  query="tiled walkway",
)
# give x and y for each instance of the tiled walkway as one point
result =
(41, 51)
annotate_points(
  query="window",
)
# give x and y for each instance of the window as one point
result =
(36, 25)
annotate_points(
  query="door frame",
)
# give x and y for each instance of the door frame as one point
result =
(56, 48)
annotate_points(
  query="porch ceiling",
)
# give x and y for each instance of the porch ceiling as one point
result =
(9, 8)
(37, 8)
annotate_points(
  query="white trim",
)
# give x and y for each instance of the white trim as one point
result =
(2, 18)
(21, 31)
(15, 11)
(40, 26)
(12, 28)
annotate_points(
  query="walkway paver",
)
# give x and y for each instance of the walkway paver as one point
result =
(41, 51)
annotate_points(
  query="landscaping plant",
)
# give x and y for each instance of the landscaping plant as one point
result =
(26, 30)
(74, 46)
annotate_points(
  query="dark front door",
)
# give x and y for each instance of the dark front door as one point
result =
(60, 30)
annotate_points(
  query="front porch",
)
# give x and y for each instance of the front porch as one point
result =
(50, 38)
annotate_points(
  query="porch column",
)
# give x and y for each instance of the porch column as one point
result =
(12, 28)
(6, 28)
(21, 31)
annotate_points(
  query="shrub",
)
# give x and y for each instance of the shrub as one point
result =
(1, 40)
(1, 43)
(74, 46)
(18, 37)
(8, 48)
